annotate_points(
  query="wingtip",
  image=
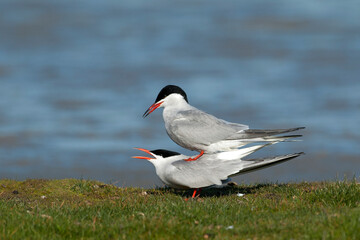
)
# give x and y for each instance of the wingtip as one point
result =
(297, 128)
(295, 155)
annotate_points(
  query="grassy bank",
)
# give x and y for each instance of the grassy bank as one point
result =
(73, 209)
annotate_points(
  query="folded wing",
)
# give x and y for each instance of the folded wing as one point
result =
(206, 172)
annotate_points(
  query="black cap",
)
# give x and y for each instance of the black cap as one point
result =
(169, 89)
(164, 153)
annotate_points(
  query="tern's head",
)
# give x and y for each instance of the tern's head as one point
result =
(158, 154)
(168, 95)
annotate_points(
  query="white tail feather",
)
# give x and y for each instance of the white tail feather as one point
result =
(243, 152)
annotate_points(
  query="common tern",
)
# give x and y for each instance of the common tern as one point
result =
(210, 169)
(196, 130)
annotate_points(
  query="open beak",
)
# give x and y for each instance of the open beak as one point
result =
(152, 108)
(141, 157)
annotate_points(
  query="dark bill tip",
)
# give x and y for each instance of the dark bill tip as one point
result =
(152, 108)
(146, 113)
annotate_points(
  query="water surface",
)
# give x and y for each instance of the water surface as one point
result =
(76, 77)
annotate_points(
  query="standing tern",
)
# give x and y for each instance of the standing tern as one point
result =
(210, 169)
(196, 130)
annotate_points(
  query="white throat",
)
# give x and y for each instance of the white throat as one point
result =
(163, 166)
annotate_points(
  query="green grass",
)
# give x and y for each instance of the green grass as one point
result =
(81, 209)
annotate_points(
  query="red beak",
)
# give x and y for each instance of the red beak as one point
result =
(141, 157)
(152, 108)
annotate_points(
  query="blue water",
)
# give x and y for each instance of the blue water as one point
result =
(76, 77)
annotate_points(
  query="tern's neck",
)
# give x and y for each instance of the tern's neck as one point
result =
(171, 111)
(177, 106)
(175, 101)
(162, 163)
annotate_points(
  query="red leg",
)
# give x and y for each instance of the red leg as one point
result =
(196, 190)
(195, 158)
(194, 193)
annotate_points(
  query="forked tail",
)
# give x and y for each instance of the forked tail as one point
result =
(256, 164)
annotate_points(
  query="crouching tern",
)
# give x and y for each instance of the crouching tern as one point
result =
(210, 169)
(196, 130)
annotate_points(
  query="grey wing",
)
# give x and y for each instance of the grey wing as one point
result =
(203, 128)
(260, 133)
(260, 163)
(204, 172)
(208, 171)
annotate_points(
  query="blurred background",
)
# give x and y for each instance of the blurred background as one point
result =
(76, 77)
